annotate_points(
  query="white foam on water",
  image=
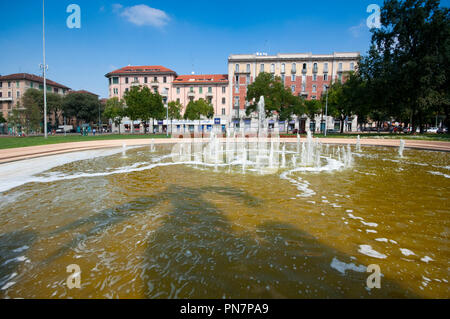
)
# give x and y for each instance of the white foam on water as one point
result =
(371, 231)
(439, 174)
(355, 217)
(23, 172)
(407, 252)
(342, 267)
(383, 240)
(8, 285)
(426, 259)
(369, 224)
(368, 251)
(18, 250)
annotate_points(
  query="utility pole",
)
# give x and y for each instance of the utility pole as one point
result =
(326, 112)
(44, 67)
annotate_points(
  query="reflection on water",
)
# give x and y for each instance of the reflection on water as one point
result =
(140, 226)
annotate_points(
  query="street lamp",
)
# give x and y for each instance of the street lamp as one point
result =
(326, 111)
(44, 67)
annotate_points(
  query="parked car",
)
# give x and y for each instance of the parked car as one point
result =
(433, 130)
(443, 130)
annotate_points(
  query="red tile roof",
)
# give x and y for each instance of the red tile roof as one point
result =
(149, 69)
(31, 77)
(85, 92)
(199, 79)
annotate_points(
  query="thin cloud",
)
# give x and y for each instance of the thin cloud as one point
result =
(142, 15)
(358, 30)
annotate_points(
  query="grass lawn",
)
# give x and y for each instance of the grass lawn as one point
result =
(13, 142)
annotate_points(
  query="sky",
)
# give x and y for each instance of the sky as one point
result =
(184, 36)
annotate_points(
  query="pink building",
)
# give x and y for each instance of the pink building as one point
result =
(213, 88)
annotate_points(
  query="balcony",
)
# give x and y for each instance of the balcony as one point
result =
(191, 93)
(209, 94)
(6, 99)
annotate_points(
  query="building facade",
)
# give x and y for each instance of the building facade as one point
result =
(307, 75)
(173, 87)
(14, 86)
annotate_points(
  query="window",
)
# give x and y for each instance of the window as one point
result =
(9, 94)
(314, 77)
(116, 91)
(325, 77)
(283, 68)
(314, 88)
(325, 87)
(294, 67)
(283, 78)
(55, 90)
(236, 68)
(200, 90)
(191, 90)
(18, 94)
(9, 84)
(49, 88)
(1, 94)
(315, 67)
(223, 111)
(155, 90)
(224, 89)
(236, 101)
(272, 68)
(136, 80)
(261, 68)
(293, 88)
(17, 83)
(314, 97)
(340, 77)
(210, 90)
(248, 79)
(31, 84)
(248, 68)
(352, 66)
(304, 67)
(1, 84)
(236, 89)
(115, 80)
(237, 79)
(178, 100)
(41, 87)
(340, 67)
(165, 79)
(325, 67)
(293, 77)
(126, 90)
(178, 90)
(126, 80)
(223, 100)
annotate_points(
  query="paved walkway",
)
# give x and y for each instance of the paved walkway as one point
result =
(16, 154)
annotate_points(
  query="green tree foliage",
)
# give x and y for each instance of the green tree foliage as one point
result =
(144, 105)
(407, 68)
(2, 119)
(195, 110)
(83, 106)
(115, 111)
(278, 99)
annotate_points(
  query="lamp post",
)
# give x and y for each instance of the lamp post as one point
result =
(326, 112)
(44, 67)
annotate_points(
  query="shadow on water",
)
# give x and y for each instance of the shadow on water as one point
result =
(13, 249)
(195, 253)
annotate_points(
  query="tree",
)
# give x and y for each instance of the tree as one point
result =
(83, 106)
(407, 64)
(114, 111)
(175, 109)
(32, 112)
(195, 110)
(143, 105)
(2, 119)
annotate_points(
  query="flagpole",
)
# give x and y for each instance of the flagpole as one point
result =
(44, 68)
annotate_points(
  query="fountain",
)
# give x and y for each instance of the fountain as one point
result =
(401, 148)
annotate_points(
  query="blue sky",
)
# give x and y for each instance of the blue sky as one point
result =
(185, 36)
